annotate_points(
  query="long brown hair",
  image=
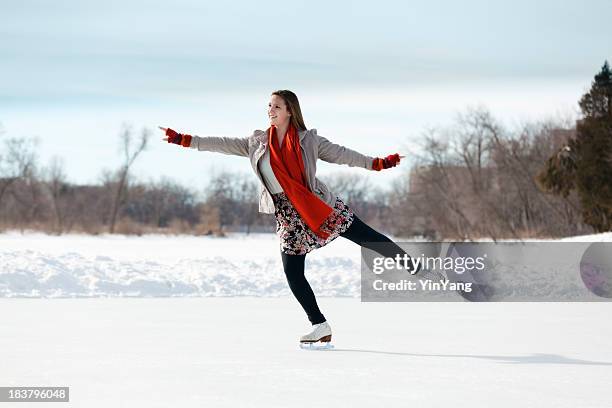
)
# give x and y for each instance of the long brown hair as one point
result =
(293, 106)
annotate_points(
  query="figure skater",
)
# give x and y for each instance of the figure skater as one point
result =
(308, 215)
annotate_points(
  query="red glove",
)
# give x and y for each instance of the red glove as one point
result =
(178, 138)
(390, 161)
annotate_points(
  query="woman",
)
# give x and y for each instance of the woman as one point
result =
(308, 215)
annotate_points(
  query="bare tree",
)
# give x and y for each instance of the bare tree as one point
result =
(17, 158)
(159, 203)
(476, 179)
(351, 187)
(17, 162)
(222, 192)
(130, 153)
(248, 198)
(518, 159)
(58, 190)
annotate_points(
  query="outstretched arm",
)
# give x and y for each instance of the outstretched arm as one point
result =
(238, 146)
(335, 153)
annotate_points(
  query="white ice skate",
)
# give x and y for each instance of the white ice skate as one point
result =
(318, 339)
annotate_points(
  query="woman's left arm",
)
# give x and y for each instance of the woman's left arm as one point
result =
(335, 153)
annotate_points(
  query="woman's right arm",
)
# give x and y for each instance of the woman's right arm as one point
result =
(238, 146)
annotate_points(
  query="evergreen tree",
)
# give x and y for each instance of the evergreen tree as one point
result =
(585, 163)
(597, 103)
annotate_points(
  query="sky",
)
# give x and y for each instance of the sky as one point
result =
(372, 76)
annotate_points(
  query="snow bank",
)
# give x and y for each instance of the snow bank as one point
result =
(74, 265)
(39, 265)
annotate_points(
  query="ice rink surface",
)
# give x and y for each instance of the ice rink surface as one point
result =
(243, 351)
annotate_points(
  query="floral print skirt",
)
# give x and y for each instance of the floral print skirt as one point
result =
(296, 238)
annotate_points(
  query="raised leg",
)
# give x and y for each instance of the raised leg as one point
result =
(363, 235)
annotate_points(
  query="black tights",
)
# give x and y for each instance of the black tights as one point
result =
(293, 265)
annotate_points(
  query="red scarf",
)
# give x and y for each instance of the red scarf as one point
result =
(288, 167)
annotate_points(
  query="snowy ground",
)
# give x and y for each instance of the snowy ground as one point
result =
(197, 322)
(242, 352)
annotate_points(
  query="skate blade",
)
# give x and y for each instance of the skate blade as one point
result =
(316, 346)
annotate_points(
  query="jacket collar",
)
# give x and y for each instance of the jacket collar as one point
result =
(263, 136)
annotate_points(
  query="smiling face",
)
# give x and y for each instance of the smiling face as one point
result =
(277, 112)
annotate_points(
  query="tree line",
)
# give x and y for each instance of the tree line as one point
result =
(42, 198)
(474, 179)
